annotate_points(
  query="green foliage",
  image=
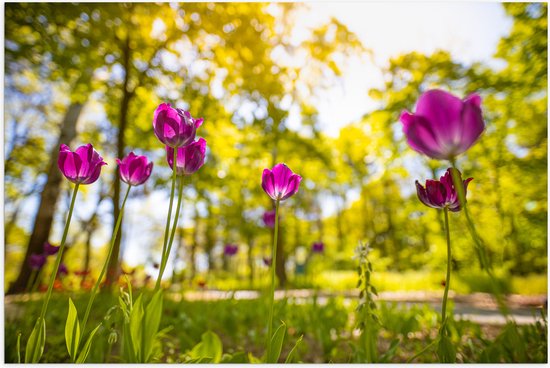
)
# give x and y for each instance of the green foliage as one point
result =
(36, 342)
(72, 331)
(209, 350)
(276, 344)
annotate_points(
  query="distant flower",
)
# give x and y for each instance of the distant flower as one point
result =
(318, 247)
(441, 193)
(36, 261)
(280, 183)
(267, 261)
(49, 249)
(62, 270)
(443, 125)
(230, 249)
(82, 272)
(190, 158)
(201, 283)
(82, 166)
(133, 169)
(174, 127)
(269, 218)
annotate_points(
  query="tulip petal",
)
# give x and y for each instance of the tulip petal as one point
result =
(281, 176)
(268, 183)
(472, 125)
(443, 111)
(292, 186)
(421, 137)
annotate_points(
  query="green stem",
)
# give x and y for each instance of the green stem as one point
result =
(105, 264)
(422, 351)
(273, 266)
(167, 229)
(172, 234)
(448, 276)
(59, 255)
(36, 281)
(30, 283)
(478, 242)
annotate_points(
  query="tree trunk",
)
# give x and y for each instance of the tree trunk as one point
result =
(113, 270)
(48, 198)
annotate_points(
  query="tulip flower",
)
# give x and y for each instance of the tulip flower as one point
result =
(230, 250)
(134, 170)
(280, 183)
(49, 249)
(269, 219)
(189, 159)
(318, 247)
(36, 261)
(443, 125)
(174, 127)
(441, 193)
(267, 261)
(82, 166)
(62, 270)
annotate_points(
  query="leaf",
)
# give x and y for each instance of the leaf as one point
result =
(18, 347)
(36, 342)
(252, 359)
(446, 350)
(209, 347)
(290, 355)
(277, 344)
(151, 322)
(390, 353)
(72, 331)
(136, 326)
(238, 357)
(87, 346)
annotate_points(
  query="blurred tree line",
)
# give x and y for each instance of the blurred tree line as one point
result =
(96, 72)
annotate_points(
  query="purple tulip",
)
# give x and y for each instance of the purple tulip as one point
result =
(267, 261)
(134, 170)
(175, 127)
(230, 249)
(269, 218)
(441, 193)
(443, 126)
(36, 261)
(62, 270)
(318, 247)
(280, 183)
(190, 158)
(49, 249)
(82, 166)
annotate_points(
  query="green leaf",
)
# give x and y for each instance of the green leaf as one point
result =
(136, 326)
(87, 346)
(18, 347)
(72, 331)
(390, 353)
(277, 344)
(209, 347)
(151, 322)
(290, 356)
(252, 359)
(36, 342)
(238, 357)
(446, 350)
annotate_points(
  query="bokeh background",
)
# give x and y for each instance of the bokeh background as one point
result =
(319, 86)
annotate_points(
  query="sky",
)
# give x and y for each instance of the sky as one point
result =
(469, 31)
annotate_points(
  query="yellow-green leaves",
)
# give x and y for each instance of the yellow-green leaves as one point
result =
(209, 350)
(277, 344)
(72, 331)
(36, 342)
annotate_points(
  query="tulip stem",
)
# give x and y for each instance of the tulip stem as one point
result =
(478, 242)
(272, 294)
(448, 276)
(30, 283)
(105, 264)
(59, 254)
(172, 234)
(167, 229)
